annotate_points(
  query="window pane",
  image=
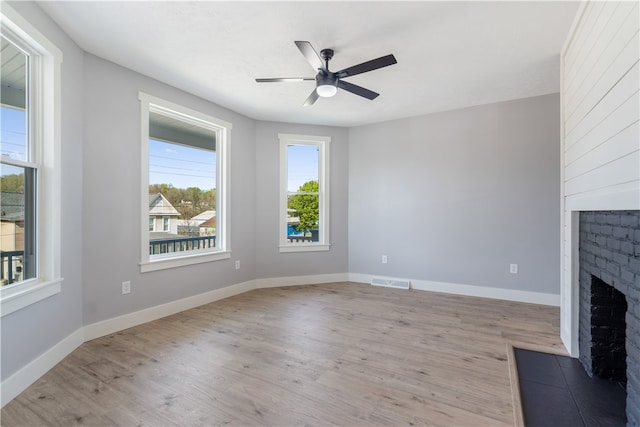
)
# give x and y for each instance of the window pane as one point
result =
(182, 185)
(17, 223)
(13, 97)
(303, 215)
(302, 166)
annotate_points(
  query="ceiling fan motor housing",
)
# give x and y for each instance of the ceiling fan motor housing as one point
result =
(326, 79)
(326, 84)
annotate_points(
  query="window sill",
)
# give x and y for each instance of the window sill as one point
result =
(311, 247)
(173, 262)
(14, 298)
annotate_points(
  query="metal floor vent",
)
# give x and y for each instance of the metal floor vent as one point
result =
(391, 283)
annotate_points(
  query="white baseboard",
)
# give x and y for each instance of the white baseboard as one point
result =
(30, 373)
(110, 326)
(474, 291)
(276, 282)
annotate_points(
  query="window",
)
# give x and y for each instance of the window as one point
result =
(29, 165)
(18, 170)
(184, 184)
(304, 193)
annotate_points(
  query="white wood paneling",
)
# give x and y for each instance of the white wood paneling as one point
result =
(600, 130)
(620, 145)
(606, 42)
(575, 49)
(618, 95)
(610, 174)
(601, 90)
(626, 116)
(600, 99)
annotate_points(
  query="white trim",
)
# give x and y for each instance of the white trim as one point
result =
(304, 247)
(31, 372)
(322, 142)
(471, 290)
(620, 197)
(181, 261)
(275, 282)
(110, 326)
(144, 178)
(29, 292)
(163, 104)
(47, 136)
(26, 31)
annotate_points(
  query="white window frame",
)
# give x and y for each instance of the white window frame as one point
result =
(322, 142)
(223, 137)
(44, 110)
(166, 223)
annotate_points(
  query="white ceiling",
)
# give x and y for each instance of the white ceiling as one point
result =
(450, 54)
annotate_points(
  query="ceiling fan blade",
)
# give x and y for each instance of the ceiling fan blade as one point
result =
(311, 55)
(311, 99)
(285, 79)
(358, 90)
(374, 64)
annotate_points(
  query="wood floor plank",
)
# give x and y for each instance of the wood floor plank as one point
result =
(331, 354)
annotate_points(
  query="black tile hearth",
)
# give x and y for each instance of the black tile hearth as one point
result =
(556, 391)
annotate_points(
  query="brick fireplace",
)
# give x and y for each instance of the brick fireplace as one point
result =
(609, 300)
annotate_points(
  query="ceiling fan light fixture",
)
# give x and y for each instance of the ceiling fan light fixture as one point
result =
(327, 85)
(326, 90)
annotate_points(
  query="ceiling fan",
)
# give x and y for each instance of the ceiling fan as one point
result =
(328, 82)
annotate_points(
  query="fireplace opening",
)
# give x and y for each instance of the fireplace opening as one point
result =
(609, 249)
(608, 332)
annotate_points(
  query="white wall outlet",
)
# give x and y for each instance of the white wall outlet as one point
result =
(126, 287)
(237, 264)
(513, 268)
(384, 259)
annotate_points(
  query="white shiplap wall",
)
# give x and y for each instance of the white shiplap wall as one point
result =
(600, 129)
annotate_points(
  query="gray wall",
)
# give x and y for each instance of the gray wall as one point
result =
(27, 333)
(270, 262)
(111, 194)
(458, 196)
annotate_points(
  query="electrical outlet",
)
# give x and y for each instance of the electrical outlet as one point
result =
(513, 268)
(238, 265)
(384, 259)
(126, 287)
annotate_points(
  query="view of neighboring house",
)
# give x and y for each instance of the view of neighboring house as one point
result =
(11, 235)
(208, 226)
(168, 234)
(163, 217)
(203, 224)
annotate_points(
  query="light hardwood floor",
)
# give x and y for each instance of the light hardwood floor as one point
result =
(340, 353)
